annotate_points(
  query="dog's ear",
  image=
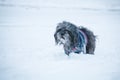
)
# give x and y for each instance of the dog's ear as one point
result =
(55, 37)
(60, 26)
(71, 38)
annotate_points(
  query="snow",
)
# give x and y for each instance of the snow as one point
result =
(28, 50)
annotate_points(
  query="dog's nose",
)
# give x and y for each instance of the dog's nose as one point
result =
(62, 33)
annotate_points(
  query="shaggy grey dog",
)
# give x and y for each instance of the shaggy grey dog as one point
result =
(75, 39)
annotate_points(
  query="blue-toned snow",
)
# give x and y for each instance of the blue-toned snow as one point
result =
(28, 50)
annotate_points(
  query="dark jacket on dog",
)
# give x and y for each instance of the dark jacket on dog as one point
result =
(82, 41)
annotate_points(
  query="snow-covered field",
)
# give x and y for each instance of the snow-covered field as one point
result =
(28, 50)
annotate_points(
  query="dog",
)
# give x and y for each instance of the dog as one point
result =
(75, 39)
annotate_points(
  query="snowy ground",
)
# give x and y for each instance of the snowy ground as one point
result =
(28, 51)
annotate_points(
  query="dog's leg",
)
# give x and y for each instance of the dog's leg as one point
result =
(84, 49)
(67, 52)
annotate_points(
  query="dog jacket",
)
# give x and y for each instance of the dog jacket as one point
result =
(82, 42)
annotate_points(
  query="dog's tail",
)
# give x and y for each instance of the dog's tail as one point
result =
(91, 40)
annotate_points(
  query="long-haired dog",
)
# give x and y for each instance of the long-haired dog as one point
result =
(75, 39)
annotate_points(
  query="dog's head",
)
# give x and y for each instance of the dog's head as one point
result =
(63, 36)
(66, 34)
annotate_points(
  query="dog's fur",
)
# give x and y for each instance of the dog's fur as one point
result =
(68, 35)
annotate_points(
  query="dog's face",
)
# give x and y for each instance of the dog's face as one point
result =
(63, 36)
